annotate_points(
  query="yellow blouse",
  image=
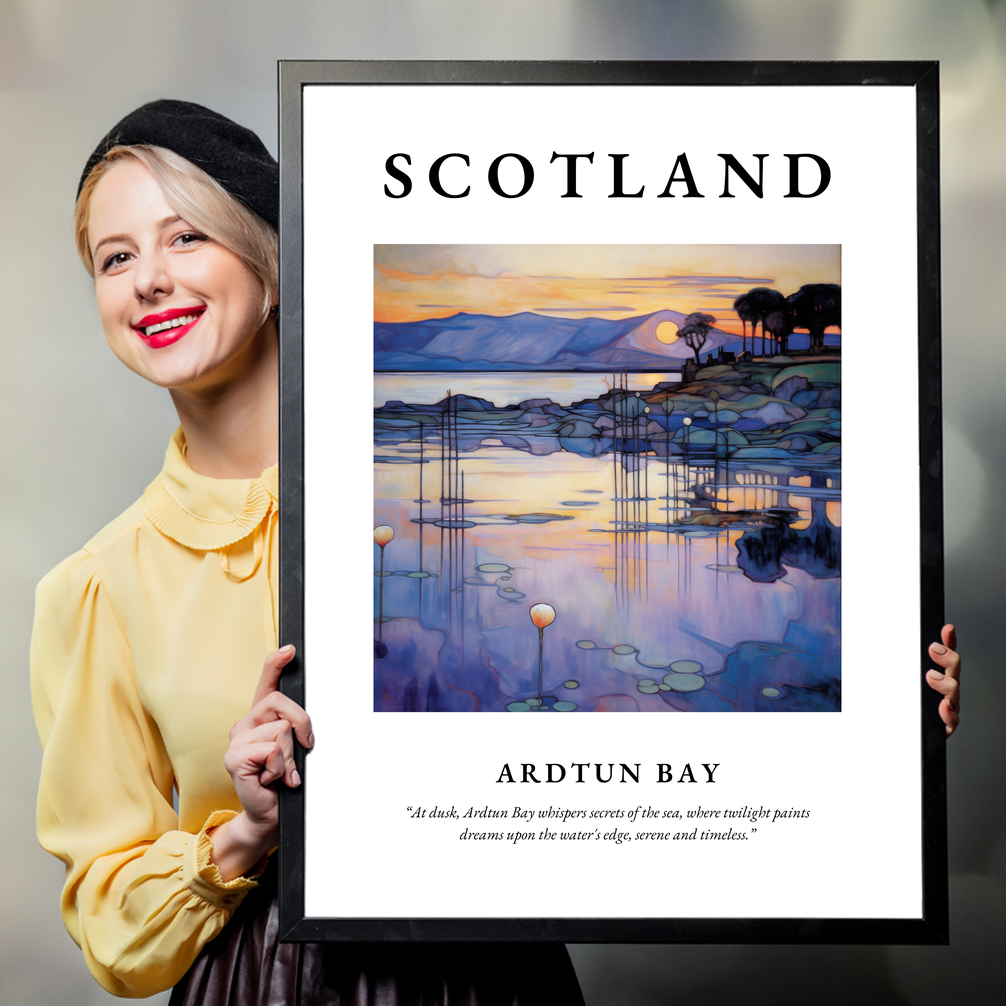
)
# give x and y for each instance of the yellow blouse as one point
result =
(147, 647)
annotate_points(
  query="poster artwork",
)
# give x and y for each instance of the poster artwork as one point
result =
(611, 473)
(607, 478)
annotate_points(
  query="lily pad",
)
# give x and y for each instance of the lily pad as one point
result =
(686, 666)
(685, 682)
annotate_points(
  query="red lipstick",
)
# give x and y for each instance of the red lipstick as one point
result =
(166, 327)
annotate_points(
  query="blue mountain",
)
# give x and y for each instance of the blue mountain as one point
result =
(529, 341)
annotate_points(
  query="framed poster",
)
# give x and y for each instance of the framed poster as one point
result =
(612, 388)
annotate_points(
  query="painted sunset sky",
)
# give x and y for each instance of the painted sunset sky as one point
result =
(415, 282)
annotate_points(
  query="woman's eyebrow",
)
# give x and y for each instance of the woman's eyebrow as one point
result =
(109, 240)
(160, 225)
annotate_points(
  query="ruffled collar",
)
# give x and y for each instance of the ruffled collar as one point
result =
(203, 513)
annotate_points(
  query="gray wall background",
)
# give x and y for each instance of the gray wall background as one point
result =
(82, 436)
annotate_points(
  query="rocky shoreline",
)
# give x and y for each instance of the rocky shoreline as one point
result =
(780, 410)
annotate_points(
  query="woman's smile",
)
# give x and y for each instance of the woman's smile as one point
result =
(167, 327)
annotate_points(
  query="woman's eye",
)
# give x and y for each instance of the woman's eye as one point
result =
(114, 261)
(190, 238)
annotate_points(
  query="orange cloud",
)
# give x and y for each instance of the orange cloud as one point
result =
(613, 281)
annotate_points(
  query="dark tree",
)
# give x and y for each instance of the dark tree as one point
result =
(694, 331)
(815, 307)
(780, 324)
(746, 314)
(762, 301)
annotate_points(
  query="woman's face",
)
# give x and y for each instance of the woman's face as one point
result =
(177, 308)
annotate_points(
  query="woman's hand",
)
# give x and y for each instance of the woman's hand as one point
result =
(947, 682)
(260, 753)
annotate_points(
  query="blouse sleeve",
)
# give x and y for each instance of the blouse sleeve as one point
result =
(141, 898)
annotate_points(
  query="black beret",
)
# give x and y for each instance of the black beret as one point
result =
(230, 154)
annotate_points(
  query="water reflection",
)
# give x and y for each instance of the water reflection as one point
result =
(684, 577)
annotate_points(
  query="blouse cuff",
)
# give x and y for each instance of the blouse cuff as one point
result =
(202, 876)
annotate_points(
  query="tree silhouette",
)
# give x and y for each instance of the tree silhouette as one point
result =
(762, 301)
(815, 307)
(746, 314)
(694, 331)
(780, 324)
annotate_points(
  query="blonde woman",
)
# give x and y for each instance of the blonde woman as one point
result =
(154, 662)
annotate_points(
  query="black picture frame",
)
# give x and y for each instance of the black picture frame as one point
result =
(932, 925)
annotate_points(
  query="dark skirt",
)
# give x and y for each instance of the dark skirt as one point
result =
(246, 965)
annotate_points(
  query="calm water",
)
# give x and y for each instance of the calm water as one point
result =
(651, 614)
(503, 388)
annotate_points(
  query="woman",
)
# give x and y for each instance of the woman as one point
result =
(149, 642)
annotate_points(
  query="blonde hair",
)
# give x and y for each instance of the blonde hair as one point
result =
(199, 200)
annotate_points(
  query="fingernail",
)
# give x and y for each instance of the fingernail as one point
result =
(938, 648)
(951, 706)
(310, 740)
(287, 649)
(295, 777)
(936, 675)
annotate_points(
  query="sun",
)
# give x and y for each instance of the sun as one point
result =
(667, 332)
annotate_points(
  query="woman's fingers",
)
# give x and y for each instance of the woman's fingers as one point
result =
(949, 636)
(950, 716)
(949, 688)
(274, 766)
(261, 749)
(946, 656)
(270, 703)
(278, 735)
(271, 671)
(277, 706)
(949, 711)
(261, 761)
(947, 680)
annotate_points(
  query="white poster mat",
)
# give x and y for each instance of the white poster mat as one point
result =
(857, 853)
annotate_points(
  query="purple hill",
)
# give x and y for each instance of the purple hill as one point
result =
(529, 341)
